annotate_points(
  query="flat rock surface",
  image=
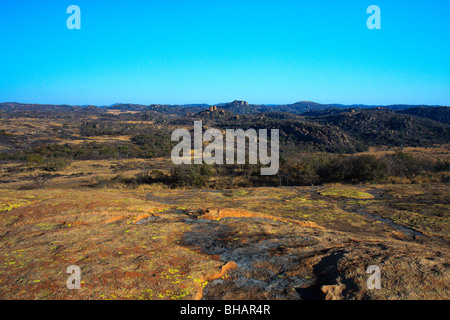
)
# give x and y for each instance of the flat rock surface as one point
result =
(255, 243)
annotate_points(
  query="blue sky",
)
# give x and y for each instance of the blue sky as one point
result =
(214, 51)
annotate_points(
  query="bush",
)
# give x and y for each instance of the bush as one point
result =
(441, 165)
(55, 164)
(35, 160)
(362, 168)
(154, 176)
(367, 168)
(402, 164)
(191, 175)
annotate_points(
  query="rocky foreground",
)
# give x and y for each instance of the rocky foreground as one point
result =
(259, 243)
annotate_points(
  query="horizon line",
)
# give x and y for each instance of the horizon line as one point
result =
(225, 103)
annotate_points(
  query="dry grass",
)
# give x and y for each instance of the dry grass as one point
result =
(433, 153)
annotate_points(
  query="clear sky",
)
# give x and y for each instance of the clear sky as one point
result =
(212, 51)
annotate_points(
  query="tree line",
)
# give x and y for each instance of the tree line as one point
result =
(306, 170)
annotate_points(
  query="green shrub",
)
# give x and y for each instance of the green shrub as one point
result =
(35, 160)
(55, 164)
(191, 175)
(367, 168)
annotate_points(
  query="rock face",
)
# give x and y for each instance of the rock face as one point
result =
(213, 112)
(240, 103)
(239, 107)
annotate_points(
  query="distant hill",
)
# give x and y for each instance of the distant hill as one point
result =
(365, 106)
(213, 112)
(303, 106)
(15, 106)
(243, 107)
(239, 107)
(386, 127)
(440, 114)
(127, 107)
(305, 125)
(327, 112)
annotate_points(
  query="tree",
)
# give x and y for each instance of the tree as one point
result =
(368, 168)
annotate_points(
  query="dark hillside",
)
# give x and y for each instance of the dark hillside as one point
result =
(386, 127)
(440, 114)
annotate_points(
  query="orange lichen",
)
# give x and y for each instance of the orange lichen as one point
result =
(217, 214)
(213, 276)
